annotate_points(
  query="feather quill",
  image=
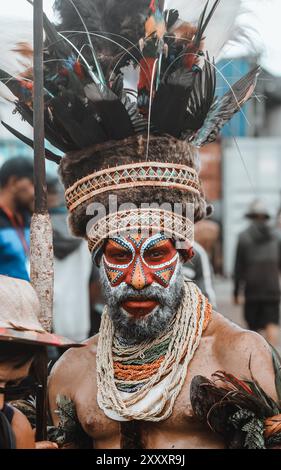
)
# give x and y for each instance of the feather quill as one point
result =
(220, 30)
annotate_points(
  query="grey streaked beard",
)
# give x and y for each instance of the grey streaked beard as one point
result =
(153, 325)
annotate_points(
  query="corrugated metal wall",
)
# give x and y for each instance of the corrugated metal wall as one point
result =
(229, 72)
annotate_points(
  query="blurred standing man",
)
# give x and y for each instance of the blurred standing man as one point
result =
(16, 205)
(257, 268)
(199, 270)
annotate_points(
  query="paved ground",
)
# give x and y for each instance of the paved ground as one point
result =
(225, 306)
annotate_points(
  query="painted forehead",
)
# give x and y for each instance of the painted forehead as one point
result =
(137, 241)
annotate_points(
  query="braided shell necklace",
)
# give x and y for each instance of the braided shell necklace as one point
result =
(137, 369)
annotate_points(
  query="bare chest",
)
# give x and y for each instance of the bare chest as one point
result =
(180, 430)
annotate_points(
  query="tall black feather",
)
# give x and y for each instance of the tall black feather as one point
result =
(114, 118)
(170, 102)
(52, 133)
(201, 98)
(121, 21)
(78, 120)
(48, 153)
(203, 22)
(54, 42)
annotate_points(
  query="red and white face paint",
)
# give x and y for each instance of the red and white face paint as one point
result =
(141, 276)
(140, 262)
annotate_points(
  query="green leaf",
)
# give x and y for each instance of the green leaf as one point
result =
(254, 434)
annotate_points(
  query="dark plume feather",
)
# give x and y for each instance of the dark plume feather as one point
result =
(85, 101)
(170, 102)
(52, 132)
(203, 22)
(225, 108)
(171, 17)
(56, 45)
(121, 21)
(113, 116)
(201, 98)
(78, 120)
(237, 409)
(49, 154)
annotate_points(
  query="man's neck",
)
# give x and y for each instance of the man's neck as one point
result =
(7, 201)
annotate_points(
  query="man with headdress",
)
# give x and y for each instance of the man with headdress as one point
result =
(132, 188)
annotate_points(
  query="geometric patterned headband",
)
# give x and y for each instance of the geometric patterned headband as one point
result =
(147, 220)
(169, 175)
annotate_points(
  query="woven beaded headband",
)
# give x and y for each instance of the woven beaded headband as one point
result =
(148, 219)
(169, 175)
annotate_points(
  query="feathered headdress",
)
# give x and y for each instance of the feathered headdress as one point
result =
(137, 142)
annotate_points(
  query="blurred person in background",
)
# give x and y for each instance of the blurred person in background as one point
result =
(199, 270)
(208, 234)
(72, 270)
(22, 344)
(16, 206)
(97, 301)
(257, 268)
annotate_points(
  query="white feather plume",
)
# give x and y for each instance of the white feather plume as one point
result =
(13, 32)
(222, 26)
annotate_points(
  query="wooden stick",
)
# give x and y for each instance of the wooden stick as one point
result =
(38, 116)
(41, 246)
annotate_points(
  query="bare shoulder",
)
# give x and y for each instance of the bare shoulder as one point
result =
(243, 353)
(70, 371)
(228, 335)
(75, 360)
(23, 431)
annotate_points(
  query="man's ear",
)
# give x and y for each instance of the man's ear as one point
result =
(186, 254)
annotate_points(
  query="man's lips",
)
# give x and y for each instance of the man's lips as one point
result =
(139, 307)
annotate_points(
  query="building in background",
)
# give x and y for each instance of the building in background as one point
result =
(245, 163)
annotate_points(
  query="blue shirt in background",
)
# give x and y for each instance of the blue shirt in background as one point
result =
(14, 246)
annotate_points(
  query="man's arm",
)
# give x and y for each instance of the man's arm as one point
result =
(249, 356)
(64, 381)
(59, 384)
(23, 431)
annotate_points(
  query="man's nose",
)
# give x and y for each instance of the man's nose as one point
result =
(138, 279)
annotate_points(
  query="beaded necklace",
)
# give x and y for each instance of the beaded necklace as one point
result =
(137, 369)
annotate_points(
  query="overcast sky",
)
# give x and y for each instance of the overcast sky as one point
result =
(265, 17)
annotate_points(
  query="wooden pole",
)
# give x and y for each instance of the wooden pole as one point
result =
(41, 243)
(38, 103)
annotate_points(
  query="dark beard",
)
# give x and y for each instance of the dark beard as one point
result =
(153, 325)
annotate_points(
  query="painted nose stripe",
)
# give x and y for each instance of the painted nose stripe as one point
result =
(138, 279)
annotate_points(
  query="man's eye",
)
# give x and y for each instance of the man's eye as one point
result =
(121, 255)
(155, 254)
